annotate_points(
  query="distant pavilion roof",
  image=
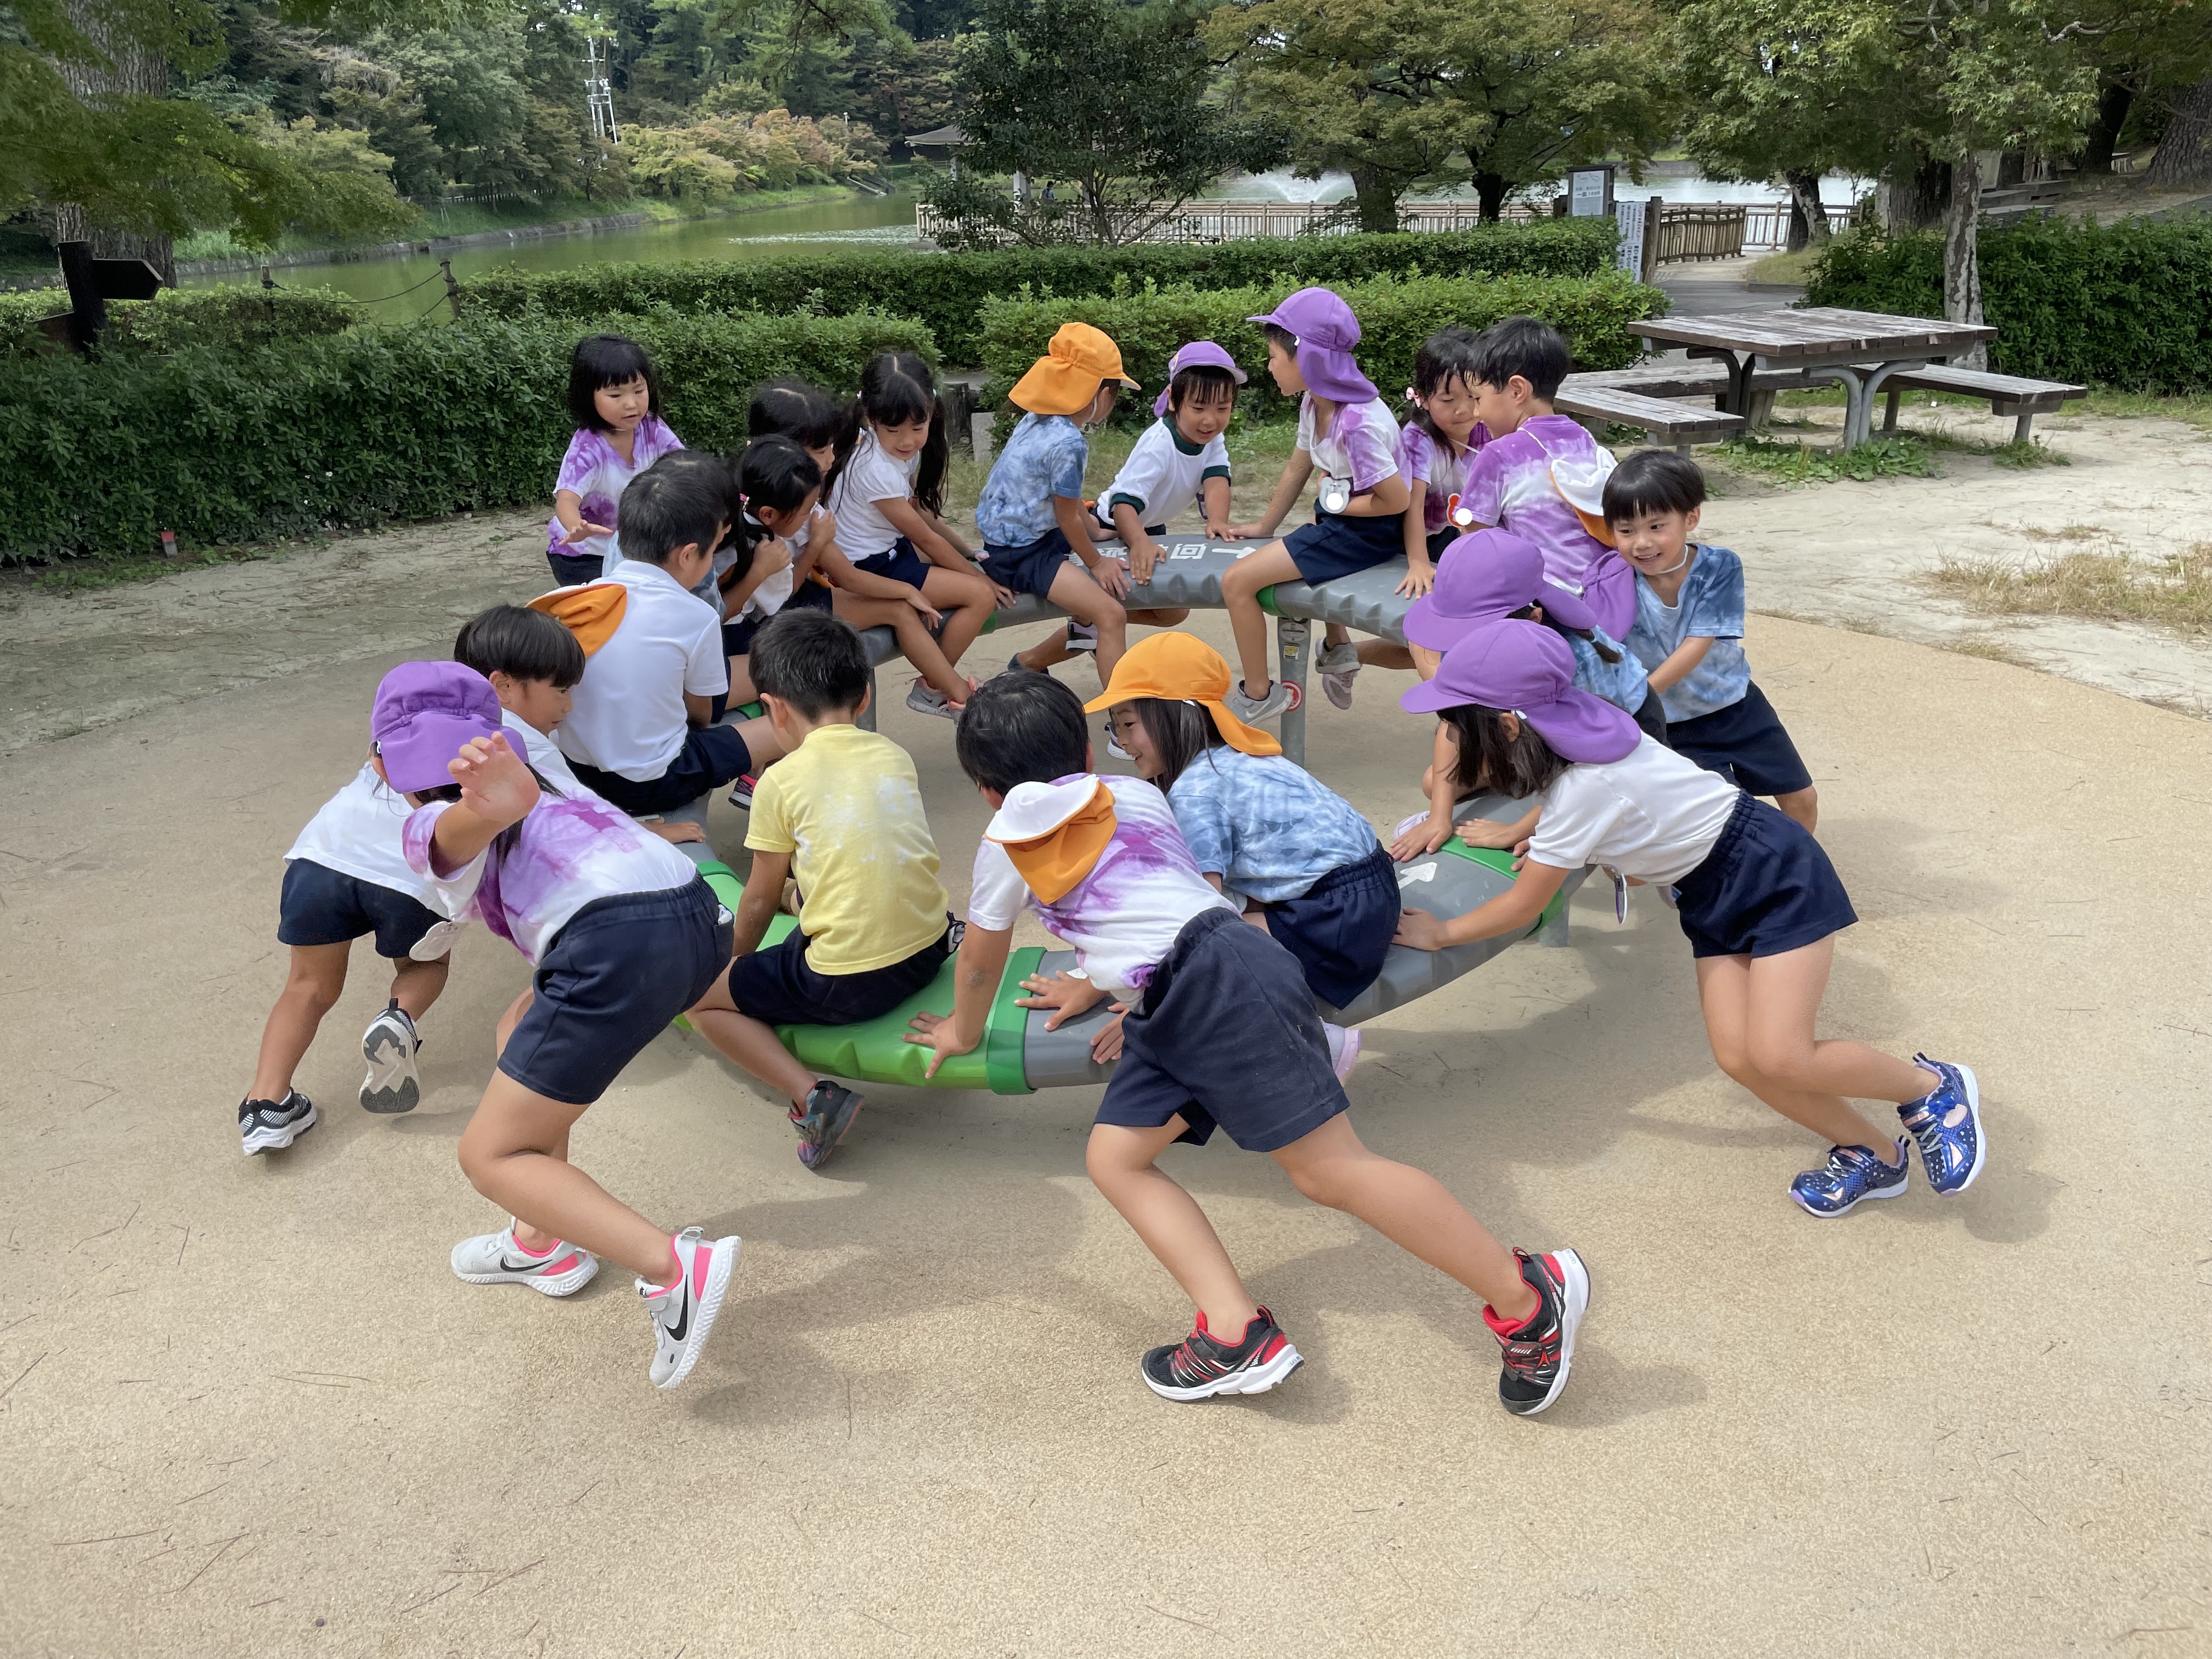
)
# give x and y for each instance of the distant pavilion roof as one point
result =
(944, 138)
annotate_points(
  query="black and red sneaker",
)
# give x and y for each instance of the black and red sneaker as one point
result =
(1539, 1350)
(1202, 1365)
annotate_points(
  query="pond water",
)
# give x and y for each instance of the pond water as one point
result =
(884, 221)
(1678, 181)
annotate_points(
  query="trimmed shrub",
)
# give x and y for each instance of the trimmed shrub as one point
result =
(1394, 317)
(947, 290)
(223, 444)
(234, 317)
(2128, 304)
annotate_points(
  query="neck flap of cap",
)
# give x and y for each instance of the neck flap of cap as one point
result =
(1057, 861)
(591, 612)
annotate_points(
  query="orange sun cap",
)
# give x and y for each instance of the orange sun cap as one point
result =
(1056, 833)
(1181, 668)
(1079, 359)
(592, 612)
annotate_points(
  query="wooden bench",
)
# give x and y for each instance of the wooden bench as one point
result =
(1593, 403)
(2008, 394)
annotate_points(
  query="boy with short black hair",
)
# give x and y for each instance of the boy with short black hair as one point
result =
(1217, 1028)
(1541, 476)
(642, 732)
(1688, 634)
(842, 812)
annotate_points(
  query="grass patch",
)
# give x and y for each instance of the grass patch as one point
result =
(1794, 269)
(2013, 454)
(2072, 532)
(1988, 647)
(1899, 456)
(2173, 592)
(2190, 409)
(1257, 453)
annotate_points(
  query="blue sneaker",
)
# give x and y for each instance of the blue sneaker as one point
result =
(1850, 1175)
(1947, 1124)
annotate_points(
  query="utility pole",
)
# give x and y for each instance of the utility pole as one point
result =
(598, 93)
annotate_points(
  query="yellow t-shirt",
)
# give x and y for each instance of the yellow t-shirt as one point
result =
(847, 806)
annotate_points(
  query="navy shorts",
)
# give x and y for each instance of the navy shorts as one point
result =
(1225, 1033)
(1766, 887)
(1339, 928)
(711, 757)
(1745, 745)
(617, 972)
(1335, 545)
(901, 564)
(778, 988)
(1652, 717)
(1441, 539)
(737, 636)
(1029, 569)
(570, 569)
(809, 595)
(323, 906)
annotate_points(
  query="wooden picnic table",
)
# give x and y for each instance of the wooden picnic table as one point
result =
(1861, 349)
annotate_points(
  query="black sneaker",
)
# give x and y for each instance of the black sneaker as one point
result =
(1202, 1365)
(829, 1110)
(269, 1125)
(1541, 1350)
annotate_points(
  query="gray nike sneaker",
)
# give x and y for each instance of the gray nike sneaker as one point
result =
(496, 1259)
(1282, 698)
(684, 1313)
(390, 1045)
(270, 1126)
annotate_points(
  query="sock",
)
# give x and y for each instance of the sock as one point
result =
(535, 1255)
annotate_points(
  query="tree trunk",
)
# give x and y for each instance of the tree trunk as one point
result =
(132, 70)
(2184, 155)
(1375, 194)
(1489, 190)
(1809, 219)
(2114, 99)
(1915, 201)
(1962, 270)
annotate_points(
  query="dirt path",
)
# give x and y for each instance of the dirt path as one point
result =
(1844, 553)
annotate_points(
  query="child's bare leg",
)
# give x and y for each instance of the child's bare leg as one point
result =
(1803, 805)
(1167, 1219)
(312, 984)
(741, 682)
(914, 641)
(1412, 1209)
(752, 1044)
(1334, 635)
(1759, 1016)
(530, 1237)
(514, 1152)
(1048, 651)
(1074, 592)
(415, 984)
(967, 602)
(761, 742)
(1240, 597)
(1381, 653)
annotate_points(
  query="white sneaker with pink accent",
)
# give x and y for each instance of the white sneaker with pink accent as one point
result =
(496, 1259)
(684, 1313)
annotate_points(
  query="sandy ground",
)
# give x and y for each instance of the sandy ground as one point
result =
(245, 1410)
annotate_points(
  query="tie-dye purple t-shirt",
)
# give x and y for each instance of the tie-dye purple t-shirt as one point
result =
(1509, 486)
(598, 476)
(570, 851)
(1444, 475)
(1121, 919)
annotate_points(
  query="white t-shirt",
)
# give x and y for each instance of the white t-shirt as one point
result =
(544, 754)
(773, 593)
(1121, 919)
(629, 716)
(1163, 475)
(1651, 814)
(1361, 444)
(870, 476)
(357, 834)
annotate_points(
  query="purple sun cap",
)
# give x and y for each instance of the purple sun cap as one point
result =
(425, 713)
(1199, 354)
(1525, 669)
(1482, 577)
(1327, 331)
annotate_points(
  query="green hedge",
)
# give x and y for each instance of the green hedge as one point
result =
(223, 444)
(947, 290)
(1394, 317)
(235, 318)
(2127, 305)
